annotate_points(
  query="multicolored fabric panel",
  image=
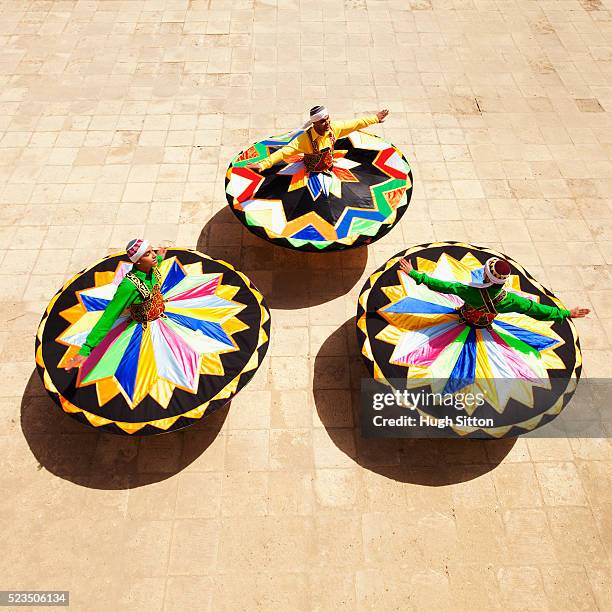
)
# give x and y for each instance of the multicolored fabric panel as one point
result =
(526, 369)
(159, 376)
(357, 202)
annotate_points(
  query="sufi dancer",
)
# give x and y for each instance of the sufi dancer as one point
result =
(483, 300)
(325, 186)
(459, 319)
(160, 339)
(139, 291)
(317, 139)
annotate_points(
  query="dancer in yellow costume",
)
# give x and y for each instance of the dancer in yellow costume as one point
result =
(325, 186)
(318, 140)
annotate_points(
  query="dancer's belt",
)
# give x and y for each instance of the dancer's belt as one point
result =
(319, 162)
(484, 315)
(149, 309)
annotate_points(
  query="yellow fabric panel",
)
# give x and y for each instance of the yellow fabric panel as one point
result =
(323, 227)
(49, 383)
(390, 334)
(252, 363)
(103, 278)
(74, 313)
(229, 390)
(198, 412)
(85, 323)
(550, 359)
(215, 315)
(130, 428)
(193, 269)
(484, 374)
(233, 326)
(147, 368)
(425, 265)
(366, 350)
(71, 351)
(394, 292)
(228, 292)
(95, 420)
(297, 183)
(211, 365)
(162, 392)
(67, 406)
(470, 261)
(39, 357)
(164, 424)
(106, 389)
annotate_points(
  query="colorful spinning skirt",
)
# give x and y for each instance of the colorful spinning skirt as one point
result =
(412, 337)
(167, 374)
(357, 202)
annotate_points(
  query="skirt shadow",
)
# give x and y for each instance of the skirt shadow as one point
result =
(338, 370)
(100, 460)
(287, 278)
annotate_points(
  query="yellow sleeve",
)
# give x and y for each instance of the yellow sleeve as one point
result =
(289, 150)
(343, 128)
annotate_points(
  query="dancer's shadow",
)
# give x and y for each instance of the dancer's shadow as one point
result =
(100, 460)
(338, 371)
(288, 279)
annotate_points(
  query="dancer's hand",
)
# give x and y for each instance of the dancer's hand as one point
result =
(578, 313)
(255, 166)
(161, 251)
(405, 265)
(382, 115)
(74, 362)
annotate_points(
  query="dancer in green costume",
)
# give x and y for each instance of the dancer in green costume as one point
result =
(483, 301)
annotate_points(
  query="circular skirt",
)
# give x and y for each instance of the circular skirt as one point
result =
(412, 337)
(163, 376)
(357, 202)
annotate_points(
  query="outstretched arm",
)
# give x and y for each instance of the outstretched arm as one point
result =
(284, 153)
(542, 312)
(123, 297)
(343, 128)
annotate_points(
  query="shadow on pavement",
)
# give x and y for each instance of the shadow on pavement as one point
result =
(338, 371)
(98, 460)
(288, 279)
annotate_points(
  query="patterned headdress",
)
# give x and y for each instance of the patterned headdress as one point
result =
(316, 114)
(494, 272)
(136, 249)
(497, 270)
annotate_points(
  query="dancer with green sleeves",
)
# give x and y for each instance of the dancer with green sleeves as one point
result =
(139, 291)
(484, 300)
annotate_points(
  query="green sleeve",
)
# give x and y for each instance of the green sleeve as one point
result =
(541, 312)
(124, 296)
(344, 128)
(159, 259)
(439, 285)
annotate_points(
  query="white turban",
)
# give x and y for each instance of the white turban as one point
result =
(316, 114)
(137, 248)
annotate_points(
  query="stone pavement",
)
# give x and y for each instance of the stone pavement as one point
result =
(118, 118)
